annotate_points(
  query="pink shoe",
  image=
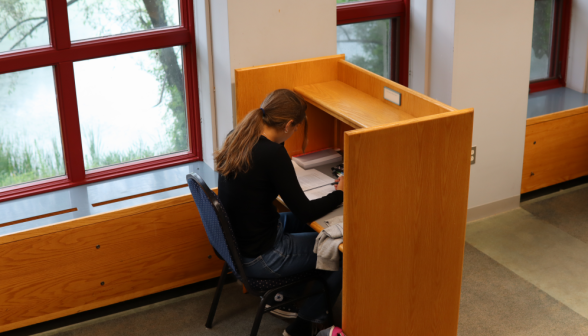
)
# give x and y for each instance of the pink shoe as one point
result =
(332, 331)
(336, 331)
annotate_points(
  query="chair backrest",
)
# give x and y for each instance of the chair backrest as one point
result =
(217, 225)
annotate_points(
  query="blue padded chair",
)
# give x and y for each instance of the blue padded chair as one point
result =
(220, 234)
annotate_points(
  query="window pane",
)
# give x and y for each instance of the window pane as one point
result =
(30, 140)
(368, 45)
(23, 23)
(131, 106)
(542, 39)
(98, 18)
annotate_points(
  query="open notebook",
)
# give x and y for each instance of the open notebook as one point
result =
(314, 183)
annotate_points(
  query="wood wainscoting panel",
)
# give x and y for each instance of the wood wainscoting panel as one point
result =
(65, 272)
(406, 195)
(557, 115)
(556, 150)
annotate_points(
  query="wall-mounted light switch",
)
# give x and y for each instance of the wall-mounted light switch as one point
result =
(473, 155)
(392, 96)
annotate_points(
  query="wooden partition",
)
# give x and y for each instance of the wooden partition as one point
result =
(405, 211)
(253, 86)
(556, 149)
(407, 175)
(95, 261)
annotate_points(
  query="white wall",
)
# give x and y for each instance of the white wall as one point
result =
(205, 80)
(576, 73)
(418, 45)
(221, 50)
(442, 40)
(257, 32)
(491, 68)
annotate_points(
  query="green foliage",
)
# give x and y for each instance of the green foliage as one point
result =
(20, 163)
(374, 38)
(176, 112)
(542, 27)
(96, 157)
(175, 115)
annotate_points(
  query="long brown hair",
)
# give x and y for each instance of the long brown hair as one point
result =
(278, 108)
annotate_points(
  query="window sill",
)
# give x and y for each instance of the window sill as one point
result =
(91, 199)
(554, 100)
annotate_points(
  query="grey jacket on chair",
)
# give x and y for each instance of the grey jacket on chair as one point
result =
(327, 243)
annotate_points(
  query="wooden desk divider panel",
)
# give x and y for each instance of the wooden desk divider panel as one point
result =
(406, 194)
(94, 261)
(556, 149)
(253, 85)
(407, 177)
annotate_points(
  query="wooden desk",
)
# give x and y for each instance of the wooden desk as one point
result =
(406, 190)
(318, 226)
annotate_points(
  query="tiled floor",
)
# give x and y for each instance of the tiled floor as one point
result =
(544, 243)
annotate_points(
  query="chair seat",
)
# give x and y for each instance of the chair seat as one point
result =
(263, 285)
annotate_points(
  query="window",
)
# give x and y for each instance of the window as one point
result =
(94, 89)
(374, 35)
(551, 29)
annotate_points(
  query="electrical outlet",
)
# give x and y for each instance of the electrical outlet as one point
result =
(473, 155)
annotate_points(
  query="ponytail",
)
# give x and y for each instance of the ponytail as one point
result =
(235, 156)
(278, 108)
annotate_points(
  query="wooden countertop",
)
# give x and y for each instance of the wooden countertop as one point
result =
(353, 107)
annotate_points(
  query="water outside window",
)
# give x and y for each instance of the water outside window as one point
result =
(367, 44)
(23, 24)
(131, 106)
(542, 39)
(30, 140)
(98, 18)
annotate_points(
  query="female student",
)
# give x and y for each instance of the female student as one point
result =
(254, 168)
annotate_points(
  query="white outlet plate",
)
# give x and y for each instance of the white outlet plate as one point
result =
(392, 96)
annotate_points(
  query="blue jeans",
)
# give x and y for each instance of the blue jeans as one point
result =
(292, 254)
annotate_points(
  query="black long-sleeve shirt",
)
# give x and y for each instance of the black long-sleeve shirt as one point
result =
(248, 198)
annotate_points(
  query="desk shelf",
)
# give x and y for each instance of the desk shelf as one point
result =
(355, 108)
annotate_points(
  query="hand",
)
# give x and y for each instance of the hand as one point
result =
(340, 185)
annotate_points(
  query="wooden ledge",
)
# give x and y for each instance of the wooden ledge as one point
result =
(557, 115)
(355, 108)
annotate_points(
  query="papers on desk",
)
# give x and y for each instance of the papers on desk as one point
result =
(319, 192)
(314, 183)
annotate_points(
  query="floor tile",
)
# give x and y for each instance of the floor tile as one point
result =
(537, 251)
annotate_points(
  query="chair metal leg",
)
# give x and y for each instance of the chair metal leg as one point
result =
(217, 294)
(259, 314)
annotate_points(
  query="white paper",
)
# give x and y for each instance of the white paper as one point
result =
(319, 192)
(297, 168)
(312, 178)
